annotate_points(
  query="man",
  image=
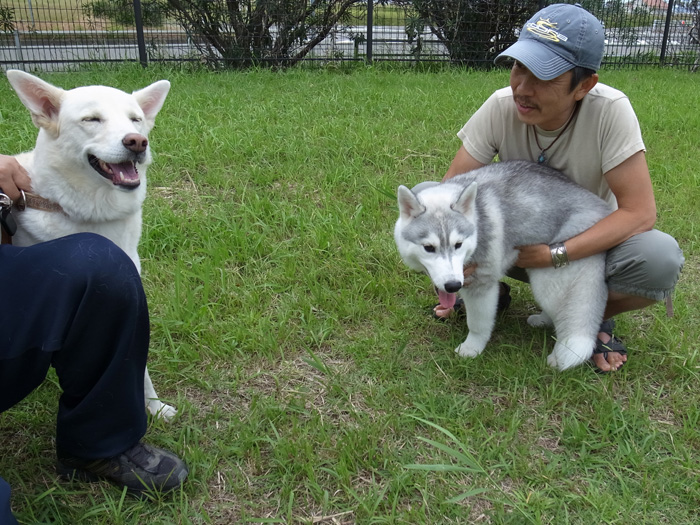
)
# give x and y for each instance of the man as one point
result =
(77, 304)
(555, 112)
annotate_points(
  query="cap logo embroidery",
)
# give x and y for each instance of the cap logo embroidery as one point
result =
(547, 30)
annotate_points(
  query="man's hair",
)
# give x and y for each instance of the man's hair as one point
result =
(579, 74)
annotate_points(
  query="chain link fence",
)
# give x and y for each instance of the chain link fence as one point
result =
(65, 34)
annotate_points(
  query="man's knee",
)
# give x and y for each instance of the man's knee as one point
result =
(93, 262)
(669, 261)
(647, 265)
(90, 254)
(50, 283)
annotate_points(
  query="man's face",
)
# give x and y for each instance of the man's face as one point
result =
(544, 103)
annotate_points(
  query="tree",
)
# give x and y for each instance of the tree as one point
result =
(7, 19)
(473, 31)
(241, 33)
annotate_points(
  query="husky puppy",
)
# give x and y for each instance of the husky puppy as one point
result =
(88, 168)
(479, 218)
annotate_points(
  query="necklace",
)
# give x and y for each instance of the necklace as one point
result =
(542, 159)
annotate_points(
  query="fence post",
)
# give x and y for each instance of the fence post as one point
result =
(18, 46)
(31, 12)
(138, 19)
(667, 27)
(370, 25)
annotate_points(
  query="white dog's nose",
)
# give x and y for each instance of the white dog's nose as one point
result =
(135, 142)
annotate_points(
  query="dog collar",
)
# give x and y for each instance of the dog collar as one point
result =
(37, 202)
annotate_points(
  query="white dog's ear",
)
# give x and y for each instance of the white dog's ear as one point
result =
(409, 206)
(465, 203)
(151, 99)
(42, 99)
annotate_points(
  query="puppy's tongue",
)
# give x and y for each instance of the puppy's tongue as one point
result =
(124, 174)
(447, 300)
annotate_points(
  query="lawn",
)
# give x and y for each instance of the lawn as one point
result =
(312, 384)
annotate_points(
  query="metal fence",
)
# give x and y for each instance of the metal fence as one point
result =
(65, 34)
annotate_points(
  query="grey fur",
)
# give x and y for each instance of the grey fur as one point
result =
(480, 218)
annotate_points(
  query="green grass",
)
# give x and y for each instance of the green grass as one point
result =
(312, 384)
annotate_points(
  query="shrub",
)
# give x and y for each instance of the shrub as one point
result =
(122, 11)
(240, 33)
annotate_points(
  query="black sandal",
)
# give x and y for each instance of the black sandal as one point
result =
(614, 345)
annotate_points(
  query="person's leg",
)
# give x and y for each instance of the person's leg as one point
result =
(640, 272)
(80, 306)
(102, 362)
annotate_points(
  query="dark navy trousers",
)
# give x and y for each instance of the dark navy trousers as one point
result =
(77, 304)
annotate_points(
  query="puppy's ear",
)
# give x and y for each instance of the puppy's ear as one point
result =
(409, 206)
(42, 99)
(151, 99)
(466, 202)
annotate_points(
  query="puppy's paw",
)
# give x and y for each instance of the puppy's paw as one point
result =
(552, 361)
(467, 350)
(570, 353)
(560, 362)
(541, 320)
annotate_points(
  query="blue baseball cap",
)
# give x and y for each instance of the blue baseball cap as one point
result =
(557, 39)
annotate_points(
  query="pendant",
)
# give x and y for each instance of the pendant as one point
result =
(541, 159)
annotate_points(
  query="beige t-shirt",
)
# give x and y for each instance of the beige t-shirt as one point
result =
(604, 133)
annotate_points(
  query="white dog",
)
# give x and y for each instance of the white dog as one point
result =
(88, 168)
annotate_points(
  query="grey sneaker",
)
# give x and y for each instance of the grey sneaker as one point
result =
(141, 469)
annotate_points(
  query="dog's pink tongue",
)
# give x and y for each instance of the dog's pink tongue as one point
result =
(447, 300)
(124, 174)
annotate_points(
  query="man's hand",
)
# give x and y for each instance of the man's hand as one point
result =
(468, 271)
(13, 177)
(534, 256)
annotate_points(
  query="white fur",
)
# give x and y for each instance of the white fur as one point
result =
(73, 125)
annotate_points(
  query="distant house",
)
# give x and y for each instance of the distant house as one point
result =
(654, 5)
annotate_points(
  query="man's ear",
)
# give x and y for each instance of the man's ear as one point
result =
(585, 86)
